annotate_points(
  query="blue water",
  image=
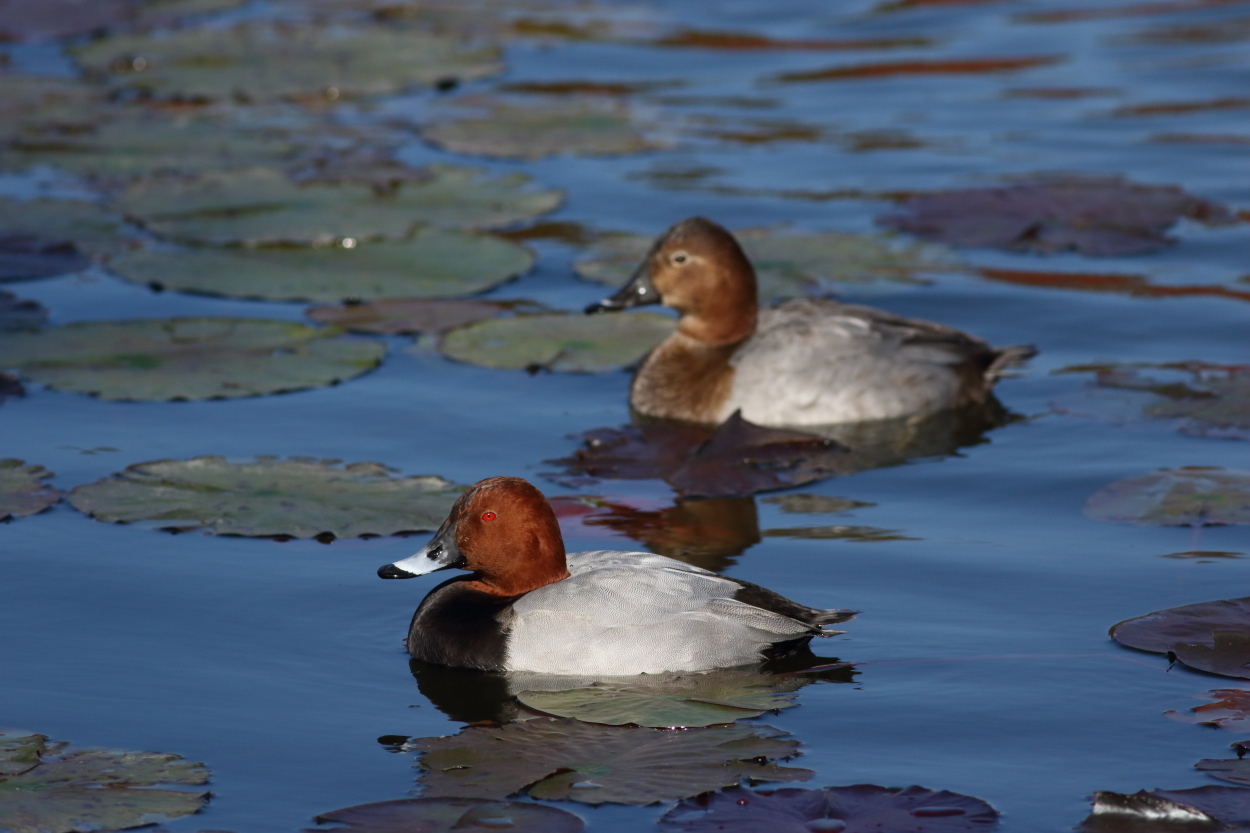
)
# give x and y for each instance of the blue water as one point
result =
(982, 650)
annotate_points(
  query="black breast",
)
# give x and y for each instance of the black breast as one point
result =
(461, 627)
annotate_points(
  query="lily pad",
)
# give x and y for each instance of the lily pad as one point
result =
(1209, 636)
(92, 230)
(1213, 400)
(60, 18)
(1188, 496)
(262, 62)
(863, 808)
(735, 459)
(401, 316)
(444, 815)
(567, 760)
(187, 358)
(95, 789)
(20, 751)
(23, 491)
(25, 257)
(558, 341)
(839, 532)
(804, 504)
(1231, 710)
(261, 205)
(1236, 770)
(533, 128)
(1169, 811)
(16, 314)
(790, 264)
(670, 701)
(1093, 216)
(299, 497)
(433, 262)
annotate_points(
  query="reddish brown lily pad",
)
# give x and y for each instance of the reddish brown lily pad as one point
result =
(1231, 710)
(737, 458)
(443, 815)
(400, 316)
(863, 808)
(1209, 636)
(1094, 216)
(956, 66)
(1169, 811)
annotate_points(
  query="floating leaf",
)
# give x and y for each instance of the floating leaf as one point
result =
(801, 504)
(433, 262)
(92, 230)
(260, 205)
(788, 264)
(43, 102)
(187, 358)
(262, 62)
(1213, 400)
(532, 129)
(567, 760)
(444, 815)
(669, 701)
(17, 315)
(1236, 770)
(858, 809)
(94, 789)
(20, 20)
(1230, 711)
(736, 458)
(839, 532)
(558, 341)
(20, 751)
(24, 257)
(23, 491)
(299, 497)
(893, 69)
(1094, 216)
(1209, 636)
(1188, 496)
(1169, 811)
(399, 316)
(1137, 286)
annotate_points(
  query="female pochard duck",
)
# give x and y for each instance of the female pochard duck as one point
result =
(526, 606)
(805, 362)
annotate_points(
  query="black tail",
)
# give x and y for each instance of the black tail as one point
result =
(766, 599)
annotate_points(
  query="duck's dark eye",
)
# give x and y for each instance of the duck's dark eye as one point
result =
(489, 516)
(680, 257)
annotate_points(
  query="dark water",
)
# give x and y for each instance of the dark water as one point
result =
(984, 664)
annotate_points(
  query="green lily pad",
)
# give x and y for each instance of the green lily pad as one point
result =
(23, 491)
(1188, 496)
(433, 262)
(401, 316)
(670, 701)
(1213, 400)
(444, 815)
(92, 229)
(299, 497)
(839, 532)
(20, 751)
(263, 62)
(558, 341)
(805, 504)
(543, 126)
(790, 264)
(260, 205)
(187, 358)
(567, 760)
(31, 101)
(95, 789)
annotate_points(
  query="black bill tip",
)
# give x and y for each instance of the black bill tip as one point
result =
(391, 571)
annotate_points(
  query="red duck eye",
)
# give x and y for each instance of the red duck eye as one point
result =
(489, 516)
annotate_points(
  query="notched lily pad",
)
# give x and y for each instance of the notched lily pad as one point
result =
(567, 760)
(444, 815)
(863, 808)
(737, 458)
(262, 62)
(558, 341)
(1093, 216)
(263, 206)
(1188, 496)
(1209, 636)
(432, 263)
(94, 789)
(1231, 710)
(17, 314)
(790, 264)
(1169, 811)
(402, 316)
(23, 491)
(299, 497)
(532, 128)
(187, 358)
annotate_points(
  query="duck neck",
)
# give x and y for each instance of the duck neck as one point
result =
(724, 317)
(542, 564)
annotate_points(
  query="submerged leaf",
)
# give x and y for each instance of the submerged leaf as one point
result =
(259, 206)
(445, 815)
(1209, 636)
(1169, 811)
(567, 760)
(1094, 216)
(433, 262)
(1188, 496)
(17, 314)
(257, 61)
(298, 497)
(585, 125)
(1231, 709)
(94, 789)
(23, 491)
(400, 316)
(558, 341)
(863, 808)
(187, 358)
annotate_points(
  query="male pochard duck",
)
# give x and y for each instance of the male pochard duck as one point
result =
(527, 606)
(805, 362)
